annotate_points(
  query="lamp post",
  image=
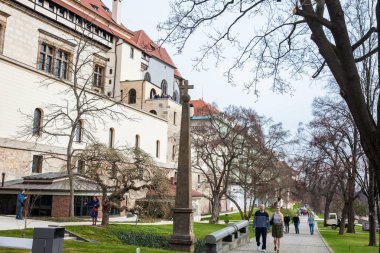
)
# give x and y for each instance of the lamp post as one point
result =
(183, 238)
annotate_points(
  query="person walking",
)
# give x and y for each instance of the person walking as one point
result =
(287, 222)
(296, 222)
(94, 205)
(311, 222)
(261, 225)
(20, 204)
(277, 221)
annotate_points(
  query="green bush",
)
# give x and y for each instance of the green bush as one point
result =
(144, 240)
(153, 241)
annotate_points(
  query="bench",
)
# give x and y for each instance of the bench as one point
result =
(228, 238)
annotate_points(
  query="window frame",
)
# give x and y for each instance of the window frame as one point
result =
(37, 123)
(79, 131)
(37, 163)
(98, 76)
(137, 141)
(111, 137)
(132, 53)
(131, 101)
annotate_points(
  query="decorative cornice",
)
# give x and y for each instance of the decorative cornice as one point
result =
(57, 38)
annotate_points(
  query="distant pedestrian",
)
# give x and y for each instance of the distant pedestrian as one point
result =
(311, 222)
(94, 205)
(261, 224)
(277, 221)
(296, 222)
(20, 204)
(287, 222)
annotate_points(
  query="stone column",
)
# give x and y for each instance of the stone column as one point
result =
(183, 238)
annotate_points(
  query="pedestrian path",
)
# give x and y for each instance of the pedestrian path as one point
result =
(292, 242)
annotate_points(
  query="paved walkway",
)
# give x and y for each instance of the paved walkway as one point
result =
(292, 243)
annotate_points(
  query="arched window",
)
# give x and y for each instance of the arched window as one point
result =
(132, 96)
(152, 93)
(137, 141)
(111, 137)
(175, 96)
(164, 87)
(158, 149)
(153, 112)
(79, 131)
(147, 77)
(37, 122)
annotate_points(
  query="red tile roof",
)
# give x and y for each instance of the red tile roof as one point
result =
(138, 39)
(151, 48)
(202, 108)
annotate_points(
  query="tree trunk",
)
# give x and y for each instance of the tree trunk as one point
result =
(106, 210)
(327, 209)
(371, 207)
(215, 210)
(71, 183)
(350, 217)
(343, 219)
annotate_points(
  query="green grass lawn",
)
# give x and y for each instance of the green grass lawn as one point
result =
(347, 243)
(107, 240)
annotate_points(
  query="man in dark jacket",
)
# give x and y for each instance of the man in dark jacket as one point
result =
(286, 221)
(296, 222)
(261, 224)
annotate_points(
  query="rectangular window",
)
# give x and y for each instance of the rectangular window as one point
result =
(51, 7)
(37, 164)
(71, 16)
(98, 76)
(61, 64)
(79, 132)
(40, 2)
(61, 12)
(199, 179)
(80, 167)
(174, 118)
(173, 153)
(132, 52)
(45, 60)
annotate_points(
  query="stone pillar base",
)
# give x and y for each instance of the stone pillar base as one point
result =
(183, 238)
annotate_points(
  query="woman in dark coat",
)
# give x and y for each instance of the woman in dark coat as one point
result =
(94, 206)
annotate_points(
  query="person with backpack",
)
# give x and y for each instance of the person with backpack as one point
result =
(261, 225)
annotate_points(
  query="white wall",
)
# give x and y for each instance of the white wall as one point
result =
(21, 92)
(130, 67)
(159, 71)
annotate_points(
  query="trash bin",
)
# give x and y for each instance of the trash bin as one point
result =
(48, 240)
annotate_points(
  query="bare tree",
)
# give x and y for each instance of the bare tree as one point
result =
(78, 111)
(119, 172)
(218, 143)
(258, 167)
(317, 34)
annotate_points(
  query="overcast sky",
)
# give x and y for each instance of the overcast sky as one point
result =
(211, 84)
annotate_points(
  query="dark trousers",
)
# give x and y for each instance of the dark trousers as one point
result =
(287, 227)
(297, 227)
(311, 228)
(261, 232)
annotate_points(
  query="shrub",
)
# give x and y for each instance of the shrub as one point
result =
(153, 241)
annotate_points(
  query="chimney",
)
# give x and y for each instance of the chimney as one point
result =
(116, 11)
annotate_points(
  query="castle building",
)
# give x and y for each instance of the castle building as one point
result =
(46, 48)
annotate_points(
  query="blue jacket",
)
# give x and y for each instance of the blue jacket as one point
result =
(20, 199)
(261, 219)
